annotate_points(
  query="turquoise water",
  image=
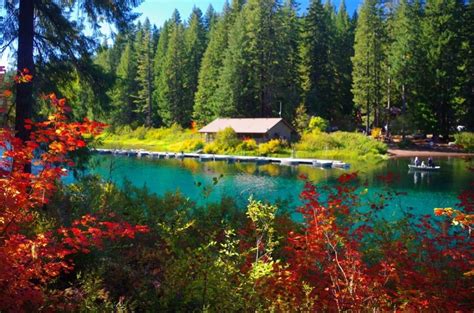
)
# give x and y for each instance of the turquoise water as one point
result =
(210, 181)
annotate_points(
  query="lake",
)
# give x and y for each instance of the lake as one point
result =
(210, 181)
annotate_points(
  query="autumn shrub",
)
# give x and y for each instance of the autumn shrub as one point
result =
(346, 258)
(465, 140)
(247, 145)
(33, 253)
(272, 146)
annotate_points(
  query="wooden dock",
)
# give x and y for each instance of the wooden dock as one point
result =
(226, 158)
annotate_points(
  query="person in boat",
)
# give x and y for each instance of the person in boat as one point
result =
(423, 164)
(430, 162)
(417, 161)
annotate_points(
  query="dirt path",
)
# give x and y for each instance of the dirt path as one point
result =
(398, 153)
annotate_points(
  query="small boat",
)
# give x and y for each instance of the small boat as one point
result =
(423, 168)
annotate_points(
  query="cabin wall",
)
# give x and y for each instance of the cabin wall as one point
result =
(280, 130)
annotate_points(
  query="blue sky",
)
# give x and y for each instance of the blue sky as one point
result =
(159, 11)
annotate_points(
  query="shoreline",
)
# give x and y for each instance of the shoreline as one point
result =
(321, 163)
(400, 153)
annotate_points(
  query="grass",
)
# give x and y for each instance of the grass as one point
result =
(349, 147)
(173, 139)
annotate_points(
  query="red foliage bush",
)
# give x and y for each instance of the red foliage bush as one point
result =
(328, 269)
(30, 259)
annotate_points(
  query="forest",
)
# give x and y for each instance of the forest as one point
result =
(72, 241)
(408, 67)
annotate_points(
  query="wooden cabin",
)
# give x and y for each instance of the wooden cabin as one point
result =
(260, 129)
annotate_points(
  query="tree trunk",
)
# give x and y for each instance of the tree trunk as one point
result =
(24, 91)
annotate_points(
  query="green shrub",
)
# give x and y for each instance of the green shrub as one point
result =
(318, 123)
(273, 146)
(358, 143)
(317, 140)
(226, 142)
(227, 138)
(465, 140)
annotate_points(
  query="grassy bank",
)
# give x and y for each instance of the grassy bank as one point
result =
(339, 145)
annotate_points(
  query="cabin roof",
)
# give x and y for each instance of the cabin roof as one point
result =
(243, 125)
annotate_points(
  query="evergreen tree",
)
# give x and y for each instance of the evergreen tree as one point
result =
(144, 78)
(159, 58)
(195, 44)
(466, 114)
(171, 83)
(343, 50)
(210, 18)
(442, 39)
(317, 41)
(208, 104)
(405, 61)
(49, 27)
(262, 51)
(289, 90)
(230, 85)
(260, 59)
(124, 91)
(368, 81)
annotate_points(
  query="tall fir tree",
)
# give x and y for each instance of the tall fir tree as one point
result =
(207, 101)
(317, 41)
(442, 40)
(367, 74)
(289, 29)
(405, 59)
(172, 81)
(210, 18)
(195, 44)
(159, 58)
(144, 52)
(231, 79)
(252, 80)
(467, 113)
(343, 50)
(124, 91)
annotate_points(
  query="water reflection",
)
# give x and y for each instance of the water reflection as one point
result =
(272, 182)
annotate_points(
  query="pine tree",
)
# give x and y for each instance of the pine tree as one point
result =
(343, 50)
(289, 81)
(171, 83)
(466, 114)
(405, 61)
(260, 58)
(210, 18)
(195, 44)
(230, 86)
(442, 40)
(208, 104)
(124, 91)
(317, 41)
(159, 59)
(367, 85)
(144, 78)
